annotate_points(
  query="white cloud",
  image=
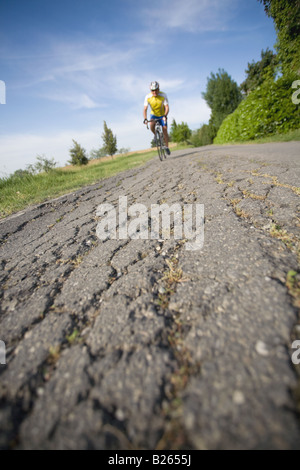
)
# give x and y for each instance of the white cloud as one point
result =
(19, 150)
(80, 74)
(191, 109)
(71, 58)
(190, 15)
(76, 100)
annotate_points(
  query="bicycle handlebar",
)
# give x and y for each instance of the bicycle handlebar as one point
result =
(146, 121)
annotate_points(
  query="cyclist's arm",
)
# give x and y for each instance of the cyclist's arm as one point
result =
(167, 109)
(145, 112)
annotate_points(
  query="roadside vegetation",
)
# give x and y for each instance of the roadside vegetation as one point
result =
(267, 110)
(267, 103)
(43, 180)
(24, 188)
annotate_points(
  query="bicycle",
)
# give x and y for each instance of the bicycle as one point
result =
(159, 138)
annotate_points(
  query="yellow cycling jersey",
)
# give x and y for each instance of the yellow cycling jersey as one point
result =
(157, 103)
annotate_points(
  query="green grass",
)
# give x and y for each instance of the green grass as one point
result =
(17, 193)
(288, 137)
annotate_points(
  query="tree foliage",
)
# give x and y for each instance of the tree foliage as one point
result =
(257, 72)
(42, 164)
(270, 106)
(267, 110)
(78, 155)
(97, 153)
(110, 141)
(286, 16)
(222, 96)
(203, 136)
(180, 132)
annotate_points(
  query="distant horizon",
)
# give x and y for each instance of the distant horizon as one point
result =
(68, 66)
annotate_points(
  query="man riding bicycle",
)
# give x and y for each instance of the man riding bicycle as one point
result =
(159, 105)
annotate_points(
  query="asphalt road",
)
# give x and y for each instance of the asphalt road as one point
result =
(143, 344)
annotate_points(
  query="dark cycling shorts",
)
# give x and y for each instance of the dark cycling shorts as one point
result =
(160, 119)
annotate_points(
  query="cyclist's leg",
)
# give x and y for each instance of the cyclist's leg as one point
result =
(152, 127)
(166, 137)
(152, 124)
(159, 143)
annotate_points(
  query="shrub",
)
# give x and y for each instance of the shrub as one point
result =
(180, 132)
(78, 155)
(203, 136)
(267, 110)
(44, 164)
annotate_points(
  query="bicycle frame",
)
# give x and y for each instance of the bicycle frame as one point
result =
(159, 138)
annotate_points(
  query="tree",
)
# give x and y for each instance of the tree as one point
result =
(203, 136)
(78, 155)
(173, 130)
(22, 173)
(96, 154)
(110, 141)
(180, 132)
(222, 96)
(257, 72)
(286, 16)
(43, 164)
(124, 150)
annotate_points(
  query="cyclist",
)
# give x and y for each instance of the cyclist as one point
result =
(159, 106)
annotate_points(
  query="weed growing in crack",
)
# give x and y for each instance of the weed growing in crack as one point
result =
(290, 241)
(54, 354)
(238, 211)
(174, 274)
(293, 285)
(73, 337)
(171, 277)
(250, 195)
(174, 436)
(172, 408)
(219, 178)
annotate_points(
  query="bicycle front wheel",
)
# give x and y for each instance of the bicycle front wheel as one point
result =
(160, 145)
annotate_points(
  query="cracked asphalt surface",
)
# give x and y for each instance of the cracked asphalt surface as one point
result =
(141, 344)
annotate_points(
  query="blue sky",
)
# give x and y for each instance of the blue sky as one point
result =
(68, 65)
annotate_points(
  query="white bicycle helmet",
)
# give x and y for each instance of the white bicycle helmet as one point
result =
(154, 86)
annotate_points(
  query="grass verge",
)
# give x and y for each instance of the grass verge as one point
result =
(288, 137)
(17, 193)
